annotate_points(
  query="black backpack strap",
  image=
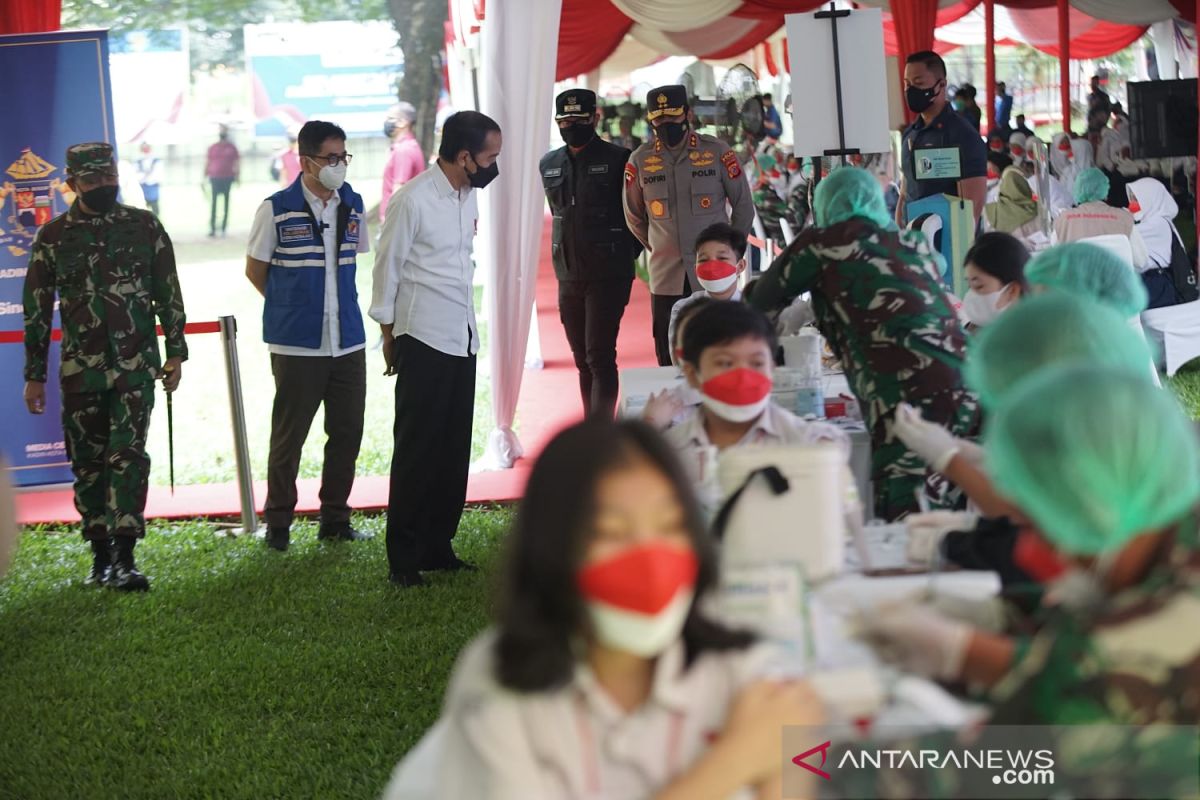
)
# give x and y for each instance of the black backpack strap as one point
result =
(775, 480)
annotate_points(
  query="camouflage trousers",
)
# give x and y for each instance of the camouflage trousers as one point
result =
(106, 441)
(899, 474)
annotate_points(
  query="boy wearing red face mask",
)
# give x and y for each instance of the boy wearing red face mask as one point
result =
(728, 357)
(720, 262)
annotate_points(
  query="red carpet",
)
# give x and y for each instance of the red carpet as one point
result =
(549, 402)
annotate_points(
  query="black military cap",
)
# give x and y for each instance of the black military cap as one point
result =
(575, 103)
(666, 100)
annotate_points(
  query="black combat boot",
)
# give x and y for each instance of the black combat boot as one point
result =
(101, 563)
(125, 576)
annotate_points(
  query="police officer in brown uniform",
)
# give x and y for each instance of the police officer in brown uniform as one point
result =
(676, 185)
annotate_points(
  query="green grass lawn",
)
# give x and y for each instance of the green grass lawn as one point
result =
(244, 673)
(212, 275)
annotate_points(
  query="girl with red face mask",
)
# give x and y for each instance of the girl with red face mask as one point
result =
(602, 677)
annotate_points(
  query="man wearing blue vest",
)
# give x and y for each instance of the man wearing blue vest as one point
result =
(301, 257)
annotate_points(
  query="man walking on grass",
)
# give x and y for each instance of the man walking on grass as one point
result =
(113, 270)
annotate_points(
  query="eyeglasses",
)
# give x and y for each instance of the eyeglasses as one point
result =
(334, 159)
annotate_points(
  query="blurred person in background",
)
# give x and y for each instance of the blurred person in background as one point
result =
(405, 160)
(221, 169)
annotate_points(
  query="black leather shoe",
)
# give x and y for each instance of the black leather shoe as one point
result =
(406, 580)
(125, 576)
(342, 532)
(101, 563)
(278, 538)
(455, 564)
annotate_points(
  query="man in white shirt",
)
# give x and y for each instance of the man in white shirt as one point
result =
(301, 257)
(423, 300)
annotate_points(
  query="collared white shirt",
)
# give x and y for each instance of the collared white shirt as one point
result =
(575, 742)
(422, 284)
(263, 238)
(680, 305)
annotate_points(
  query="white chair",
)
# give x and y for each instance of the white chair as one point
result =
(1116, 243)
(1174, 334)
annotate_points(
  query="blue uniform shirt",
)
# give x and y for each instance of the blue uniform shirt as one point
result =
(948, 129)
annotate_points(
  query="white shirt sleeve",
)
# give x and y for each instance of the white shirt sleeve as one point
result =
(400, 227)
(1140, 255)
(262, 234)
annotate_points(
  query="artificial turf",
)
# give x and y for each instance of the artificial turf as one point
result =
(243, 673)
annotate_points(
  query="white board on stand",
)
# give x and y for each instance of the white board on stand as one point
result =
(863, 79)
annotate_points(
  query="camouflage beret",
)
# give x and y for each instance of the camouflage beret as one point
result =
(90, 158)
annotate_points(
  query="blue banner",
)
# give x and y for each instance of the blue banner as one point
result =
(56, 93)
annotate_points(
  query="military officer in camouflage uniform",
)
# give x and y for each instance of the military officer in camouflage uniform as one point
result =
(113, 270)
(676, 186)
(879, 302)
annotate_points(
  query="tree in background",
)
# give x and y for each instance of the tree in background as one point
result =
(217, 38)
(421, 25)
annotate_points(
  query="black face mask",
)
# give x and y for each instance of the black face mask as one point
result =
(577, 134)
(482, 176)
(920, 99)
(671, 133)
(389, 127)
(101, 199)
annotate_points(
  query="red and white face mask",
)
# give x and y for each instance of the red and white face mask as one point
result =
(716, 276)
(739, 395)
(1135, 207)
(639, 599)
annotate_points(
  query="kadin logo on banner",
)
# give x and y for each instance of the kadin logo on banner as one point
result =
(34, 195)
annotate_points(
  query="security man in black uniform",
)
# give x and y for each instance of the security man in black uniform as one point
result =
(593, 250)
(938, 128)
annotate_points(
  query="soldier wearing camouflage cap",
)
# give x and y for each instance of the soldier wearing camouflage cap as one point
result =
(113, 270)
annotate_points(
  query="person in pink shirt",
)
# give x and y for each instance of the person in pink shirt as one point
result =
(221, 170)
(287, 161)
(406, 161)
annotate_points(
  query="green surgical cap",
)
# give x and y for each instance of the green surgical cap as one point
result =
(1089, 271)
(1050, 330)
(1094, 456)
(849, 192)
(1090, 185)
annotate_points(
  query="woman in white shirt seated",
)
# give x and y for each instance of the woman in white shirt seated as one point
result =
(1154, 211)
(602, 677)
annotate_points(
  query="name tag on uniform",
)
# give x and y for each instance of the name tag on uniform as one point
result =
(552, 173)
(938, 163)
(597, 169)
(295, 232)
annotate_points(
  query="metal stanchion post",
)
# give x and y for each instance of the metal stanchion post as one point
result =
(237, 414)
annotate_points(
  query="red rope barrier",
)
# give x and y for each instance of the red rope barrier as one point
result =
(16, 337)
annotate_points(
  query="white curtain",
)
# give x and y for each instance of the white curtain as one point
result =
(1163, 36)
(519, 44)
(676, 15)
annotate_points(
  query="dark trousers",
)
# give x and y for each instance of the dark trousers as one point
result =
(220, 188)
(302, 384)
(435, 407)
(105, 434)
(660, 316)
(591, 316)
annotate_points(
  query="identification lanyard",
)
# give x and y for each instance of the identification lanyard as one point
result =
(589, 747)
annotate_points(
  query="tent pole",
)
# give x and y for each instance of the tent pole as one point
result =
(989, 54)
(1064, 62)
